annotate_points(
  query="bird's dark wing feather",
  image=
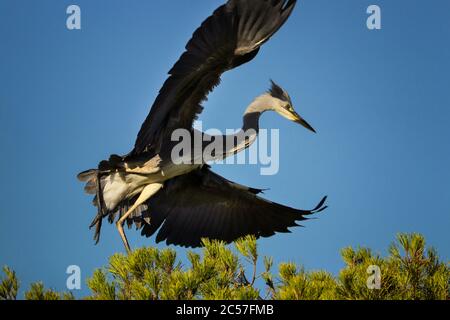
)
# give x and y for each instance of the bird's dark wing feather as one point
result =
(230, 37)
(203, 204)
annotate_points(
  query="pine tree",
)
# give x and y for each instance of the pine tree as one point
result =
(9, 286)
(411, 271)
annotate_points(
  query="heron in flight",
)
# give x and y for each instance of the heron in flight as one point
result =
(187, 201)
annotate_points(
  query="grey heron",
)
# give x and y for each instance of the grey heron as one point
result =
(188, 202)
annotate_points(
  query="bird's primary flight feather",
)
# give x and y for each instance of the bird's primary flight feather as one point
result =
(203, 204)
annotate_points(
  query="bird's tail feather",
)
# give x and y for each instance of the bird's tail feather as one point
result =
(87, 175)
(93, 186)
(95, 180)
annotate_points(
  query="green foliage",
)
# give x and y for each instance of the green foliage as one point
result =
(411, 271)
(9, 285)
(301, 285)
(420, 273)
(100, 287)
(151, 274)
(37, 291)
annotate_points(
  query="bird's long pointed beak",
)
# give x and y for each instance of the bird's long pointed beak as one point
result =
(303, 122)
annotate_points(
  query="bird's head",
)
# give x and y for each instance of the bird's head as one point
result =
(282, 104)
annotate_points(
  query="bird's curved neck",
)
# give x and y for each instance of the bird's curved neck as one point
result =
(245, 137)
(253, 114)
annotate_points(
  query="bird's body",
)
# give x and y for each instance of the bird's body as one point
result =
(125, 177)
(176, 192)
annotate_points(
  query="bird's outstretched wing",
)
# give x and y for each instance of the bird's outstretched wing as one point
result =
(203, 204)
(230, 37)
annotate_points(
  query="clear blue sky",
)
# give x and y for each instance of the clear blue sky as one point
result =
(380, 101)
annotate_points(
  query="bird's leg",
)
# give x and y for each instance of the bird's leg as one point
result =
(148, 192)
